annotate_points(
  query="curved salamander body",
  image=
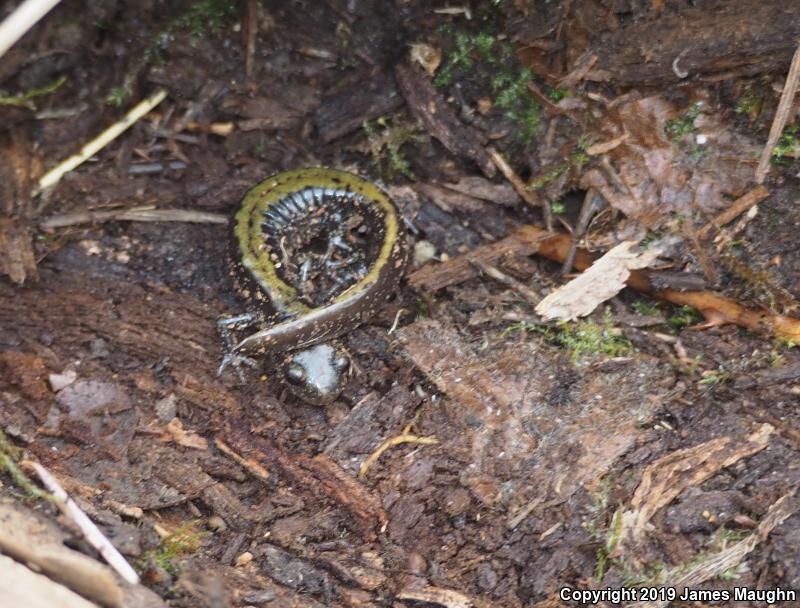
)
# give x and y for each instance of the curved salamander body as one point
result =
(322, 249)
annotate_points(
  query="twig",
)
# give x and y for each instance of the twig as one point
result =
(592, 203)
(525, 292)
(739, 206)
(52, 177)
(781, 116)
(92, 533)
(527, 196)
(250, 35)
(21, 20)
(404, 437)
(137, 214)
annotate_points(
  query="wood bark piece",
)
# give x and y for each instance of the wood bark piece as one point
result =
(734, 38)
(664, 480)
(498, 396)
(433, 277)
(432, 111)
(347, 110)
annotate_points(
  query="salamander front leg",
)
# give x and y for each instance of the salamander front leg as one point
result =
(226, 326)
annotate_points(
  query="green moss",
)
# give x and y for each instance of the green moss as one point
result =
(200, 19)
(9, 457)
(714, 378)
(646, 309)
(580, 338)
(117, 96)
(676, 128)
(751, 101)
(556, 95)
(684, 316)
(473, 54)
(205, 16)
(386, 137)
(26, 99)
(788, 146)
(576, 159)
(185, 540)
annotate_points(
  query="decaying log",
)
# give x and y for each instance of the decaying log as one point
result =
(734, 39)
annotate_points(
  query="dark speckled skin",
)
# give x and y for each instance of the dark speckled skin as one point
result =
(284, 203)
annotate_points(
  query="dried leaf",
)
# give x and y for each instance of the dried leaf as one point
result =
(429, 57)
(600, 282)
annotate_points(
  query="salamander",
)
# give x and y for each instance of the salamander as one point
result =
(317, 251)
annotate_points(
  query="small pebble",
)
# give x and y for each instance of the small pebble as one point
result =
(62, 380)
(216, 524)
(244, 559)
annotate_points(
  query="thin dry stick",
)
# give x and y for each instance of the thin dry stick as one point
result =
(137, 214)
(90, 531)
(52, 177)
(520, 187)
(781, 116)
(525, 292)
(739, 206)
(21, 20)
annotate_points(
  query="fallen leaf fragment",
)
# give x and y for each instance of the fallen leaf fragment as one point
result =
(604, 279)
(429, 57)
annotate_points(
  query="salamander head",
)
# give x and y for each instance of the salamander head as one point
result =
(316, 374)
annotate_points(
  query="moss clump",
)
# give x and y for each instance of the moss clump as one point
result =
(684, 316)
(205, 16)
(676, 128)
(184, 540)
(788, 146)
(580, 338)
(386, 137)
(474, 54)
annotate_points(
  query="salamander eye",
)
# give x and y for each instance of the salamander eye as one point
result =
(295, 374)
(342, 362)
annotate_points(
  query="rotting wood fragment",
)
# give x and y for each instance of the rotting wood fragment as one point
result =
(432, 110)
(16, 251)
(713, 565)
(346, 110)
(769, 376)
(433, 277)
(663, 480)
